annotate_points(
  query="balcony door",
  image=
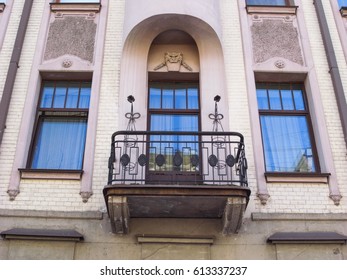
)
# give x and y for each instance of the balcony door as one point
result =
(173, 108)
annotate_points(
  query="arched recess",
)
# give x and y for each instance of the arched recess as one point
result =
(134, 72)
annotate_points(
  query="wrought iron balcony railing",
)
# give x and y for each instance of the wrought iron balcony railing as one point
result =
(178, 158)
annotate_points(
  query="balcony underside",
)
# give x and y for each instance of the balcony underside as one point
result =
(176, 201)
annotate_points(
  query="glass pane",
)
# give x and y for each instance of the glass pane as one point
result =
(287, 144)
(72, 95)
(275, 100)
(287, 99)
(174, 122)
(342, 3)
(47, 95)
(168, 99)
(299, 100)
(263, 103)
(193, 99)
(60, 94)
(174, 146)
(154, 98)
(60, 144)
(267, 2)
(84, 96)
(180, 99)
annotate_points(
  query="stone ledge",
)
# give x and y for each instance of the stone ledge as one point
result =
(48, 174)
(175, 239)
(314, 237)
(255, 9)
(87, 215)
(42, 234)
(298, 217)
(274, 177)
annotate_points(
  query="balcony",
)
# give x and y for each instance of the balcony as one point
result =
(157, 174)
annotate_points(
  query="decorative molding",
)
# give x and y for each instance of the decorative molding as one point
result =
(67, 63)
(13, 194)
(50, 174)
(2, 7)
(263, 197)
(336, 198)
(254, 9)
(82, 215)
(257, 216)
(280, 64)
(85, 196)
(173, 61)
(88, 9)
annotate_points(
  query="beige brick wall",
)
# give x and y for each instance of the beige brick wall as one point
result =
(64, 195)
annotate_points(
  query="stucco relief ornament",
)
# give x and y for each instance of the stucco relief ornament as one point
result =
(263, 197)
(12, 194)
(336, 198)
(173, 61)
(280, 64)
(67, 63)
(85, 196)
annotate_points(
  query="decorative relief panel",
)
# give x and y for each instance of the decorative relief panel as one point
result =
(275, 37)
(73, 35)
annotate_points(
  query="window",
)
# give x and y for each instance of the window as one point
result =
(286, 128)
(268, 2)
(61, 125)
(174, 106)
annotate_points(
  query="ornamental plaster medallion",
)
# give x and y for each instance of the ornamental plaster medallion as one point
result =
(173, 61)
(67, 63)
(280, 64)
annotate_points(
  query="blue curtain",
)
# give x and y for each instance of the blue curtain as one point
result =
(287, 144)
(60, 144)
(266, 2)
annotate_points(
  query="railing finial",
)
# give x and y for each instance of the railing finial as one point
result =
(216, 117)
(131, 116)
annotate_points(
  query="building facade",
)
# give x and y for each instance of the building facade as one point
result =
(202, 129)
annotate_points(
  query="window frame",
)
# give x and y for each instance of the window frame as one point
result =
(173, 111)
(56, 113)
(288, 3)
(294, 112)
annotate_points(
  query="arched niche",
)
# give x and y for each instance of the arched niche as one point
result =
(134, 65)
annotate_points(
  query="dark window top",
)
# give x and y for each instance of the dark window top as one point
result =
(42, 234)
(307, 237)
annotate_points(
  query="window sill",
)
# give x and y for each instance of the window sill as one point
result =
(2, 7)
(262, 9)
(76, 7)
(50, 174)
(343, 11)
(281, 177)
